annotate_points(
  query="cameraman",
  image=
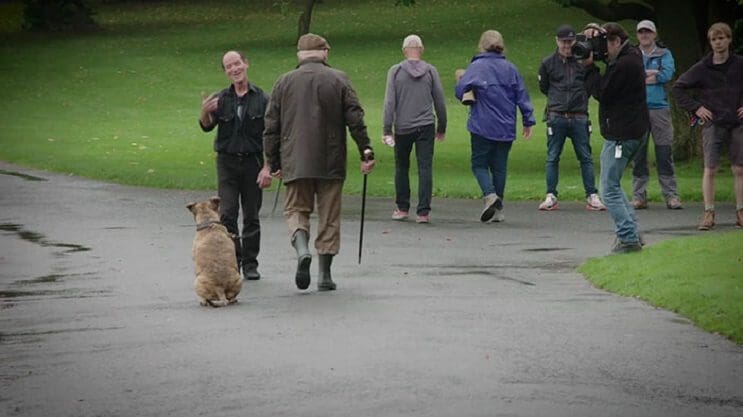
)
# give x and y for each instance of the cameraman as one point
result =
(562, 80)
(624, 122)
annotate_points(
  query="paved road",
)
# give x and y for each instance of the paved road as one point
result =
(98, 316)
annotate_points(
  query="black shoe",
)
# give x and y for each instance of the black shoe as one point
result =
(302, 277)
(251, 273)
(626, 247)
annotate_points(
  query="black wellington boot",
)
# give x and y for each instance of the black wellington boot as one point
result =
(304, 258)
(325, 282)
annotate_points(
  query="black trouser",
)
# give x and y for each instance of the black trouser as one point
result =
(236, 177)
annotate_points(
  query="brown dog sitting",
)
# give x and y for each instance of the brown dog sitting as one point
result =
(218, 280)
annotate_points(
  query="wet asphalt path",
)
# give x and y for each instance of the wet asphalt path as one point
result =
(98, 316)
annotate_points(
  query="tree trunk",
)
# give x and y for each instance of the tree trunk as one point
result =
(305, 18)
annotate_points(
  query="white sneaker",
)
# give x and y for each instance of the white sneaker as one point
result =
(493, 204)
(593, 203)
(498, 217)
(549, 203)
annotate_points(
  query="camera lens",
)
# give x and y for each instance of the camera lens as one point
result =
(581, 50)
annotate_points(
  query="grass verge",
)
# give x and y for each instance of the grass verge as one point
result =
(697, 277)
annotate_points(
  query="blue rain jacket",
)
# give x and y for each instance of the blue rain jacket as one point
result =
(659, 59)
(498, 89)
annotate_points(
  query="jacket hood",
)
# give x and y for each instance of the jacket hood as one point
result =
(711, 64)
(416, 68)
(487, 55)
(658, 50)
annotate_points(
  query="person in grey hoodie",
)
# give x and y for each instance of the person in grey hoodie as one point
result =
(412, 95)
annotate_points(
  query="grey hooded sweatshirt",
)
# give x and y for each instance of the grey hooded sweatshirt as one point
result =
(413, 92)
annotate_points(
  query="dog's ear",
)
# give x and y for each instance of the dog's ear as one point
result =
(215, 202)
(190, 206)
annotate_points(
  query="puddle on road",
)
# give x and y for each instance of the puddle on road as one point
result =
(22, 175)
(16, 294)
(39, 239)
(482, 272)
(69, 293)
(35, 336)
(51, 278)
(545, 249)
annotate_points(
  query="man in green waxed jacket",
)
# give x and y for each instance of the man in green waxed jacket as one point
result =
(305, 144)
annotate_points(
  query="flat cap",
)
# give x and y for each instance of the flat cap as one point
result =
(312, 42)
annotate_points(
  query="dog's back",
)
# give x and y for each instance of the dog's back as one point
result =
(218, 279)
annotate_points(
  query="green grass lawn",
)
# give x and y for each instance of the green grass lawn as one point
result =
(121, 105)
(702, 282)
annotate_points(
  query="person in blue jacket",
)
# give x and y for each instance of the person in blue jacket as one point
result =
(659, 69)
(498, 90)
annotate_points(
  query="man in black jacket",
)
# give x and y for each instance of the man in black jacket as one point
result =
(624, 122)
(718, 79)
(562, 80)
(238, 111)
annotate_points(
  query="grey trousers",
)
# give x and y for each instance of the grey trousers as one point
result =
(661, 129)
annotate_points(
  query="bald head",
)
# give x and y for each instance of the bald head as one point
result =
(235, 66)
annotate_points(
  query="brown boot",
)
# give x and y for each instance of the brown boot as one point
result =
(739, 218)
(640, 204)
(708, 220)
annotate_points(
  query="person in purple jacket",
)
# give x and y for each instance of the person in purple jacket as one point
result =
(498, 90)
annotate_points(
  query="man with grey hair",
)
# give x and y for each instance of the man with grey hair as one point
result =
(305, 144)
(413, 92)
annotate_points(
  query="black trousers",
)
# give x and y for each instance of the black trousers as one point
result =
(237, 187)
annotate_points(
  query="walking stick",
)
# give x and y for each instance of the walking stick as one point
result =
(363, 209)
(368, 156)
(276, 199)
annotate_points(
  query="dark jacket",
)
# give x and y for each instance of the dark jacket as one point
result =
(235, 135)
(623, 109)
(719, 89)
(563, 81)
(498, 89)
(306, 121)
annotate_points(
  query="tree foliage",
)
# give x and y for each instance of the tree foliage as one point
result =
(58, 15)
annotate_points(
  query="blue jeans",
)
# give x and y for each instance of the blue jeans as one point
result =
(576, 128)
(489, 164)
(614, 198)
(422, 138)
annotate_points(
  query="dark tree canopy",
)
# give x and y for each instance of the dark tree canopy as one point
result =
(58, 15)
(682, 24)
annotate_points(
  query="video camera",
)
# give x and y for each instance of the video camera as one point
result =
(597, 44)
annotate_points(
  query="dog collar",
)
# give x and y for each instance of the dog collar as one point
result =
(202, 226)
